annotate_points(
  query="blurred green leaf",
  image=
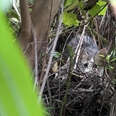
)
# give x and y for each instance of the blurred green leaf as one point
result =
(56, 54)
(70, 19)
(69, 2)
(72, 4)
(16, 86)
(114, 59)
(108, 58)
(100, 4)
(94, 10)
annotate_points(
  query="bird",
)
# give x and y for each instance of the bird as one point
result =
(100, 57)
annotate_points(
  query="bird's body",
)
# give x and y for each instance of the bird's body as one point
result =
(89, 55)
(100, 57)
(88, 51)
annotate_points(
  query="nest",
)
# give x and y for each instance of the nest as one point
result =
(77, 94)
(88, 95)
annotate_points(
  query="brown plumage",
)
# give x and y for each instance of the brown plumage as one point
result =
(100, 57)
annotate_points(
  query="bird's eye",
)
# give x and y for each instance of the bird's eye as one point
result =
(86, 65)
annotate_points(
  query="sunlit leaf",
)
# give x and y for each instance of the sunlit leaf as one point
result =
(16, 86)
(69, 2)
(94, 10)
(100, 4)
(70, 19)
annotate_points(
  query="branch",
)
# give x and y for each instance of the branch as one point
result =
(53, 49)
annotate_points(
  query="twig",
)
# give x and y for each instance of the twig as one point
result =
(51, 56)
(103, 18)
(36, 58)
(78, 49)
(44, 59)
(102, 21)
(64, 48)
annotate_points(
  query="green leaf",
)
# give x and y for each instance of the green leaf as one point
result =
(56, 54)
(100, 4)
(114, 59)
(70, 19)
(72, 4)
(69, 2)
(16, 86)
(94, 10)
(108, 58)
(111, 67)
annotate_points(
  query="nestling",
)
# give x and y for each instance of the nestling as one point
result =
(100, 57)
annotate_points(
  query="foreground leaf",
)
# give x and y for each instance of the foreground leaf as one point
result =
(16, 89)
